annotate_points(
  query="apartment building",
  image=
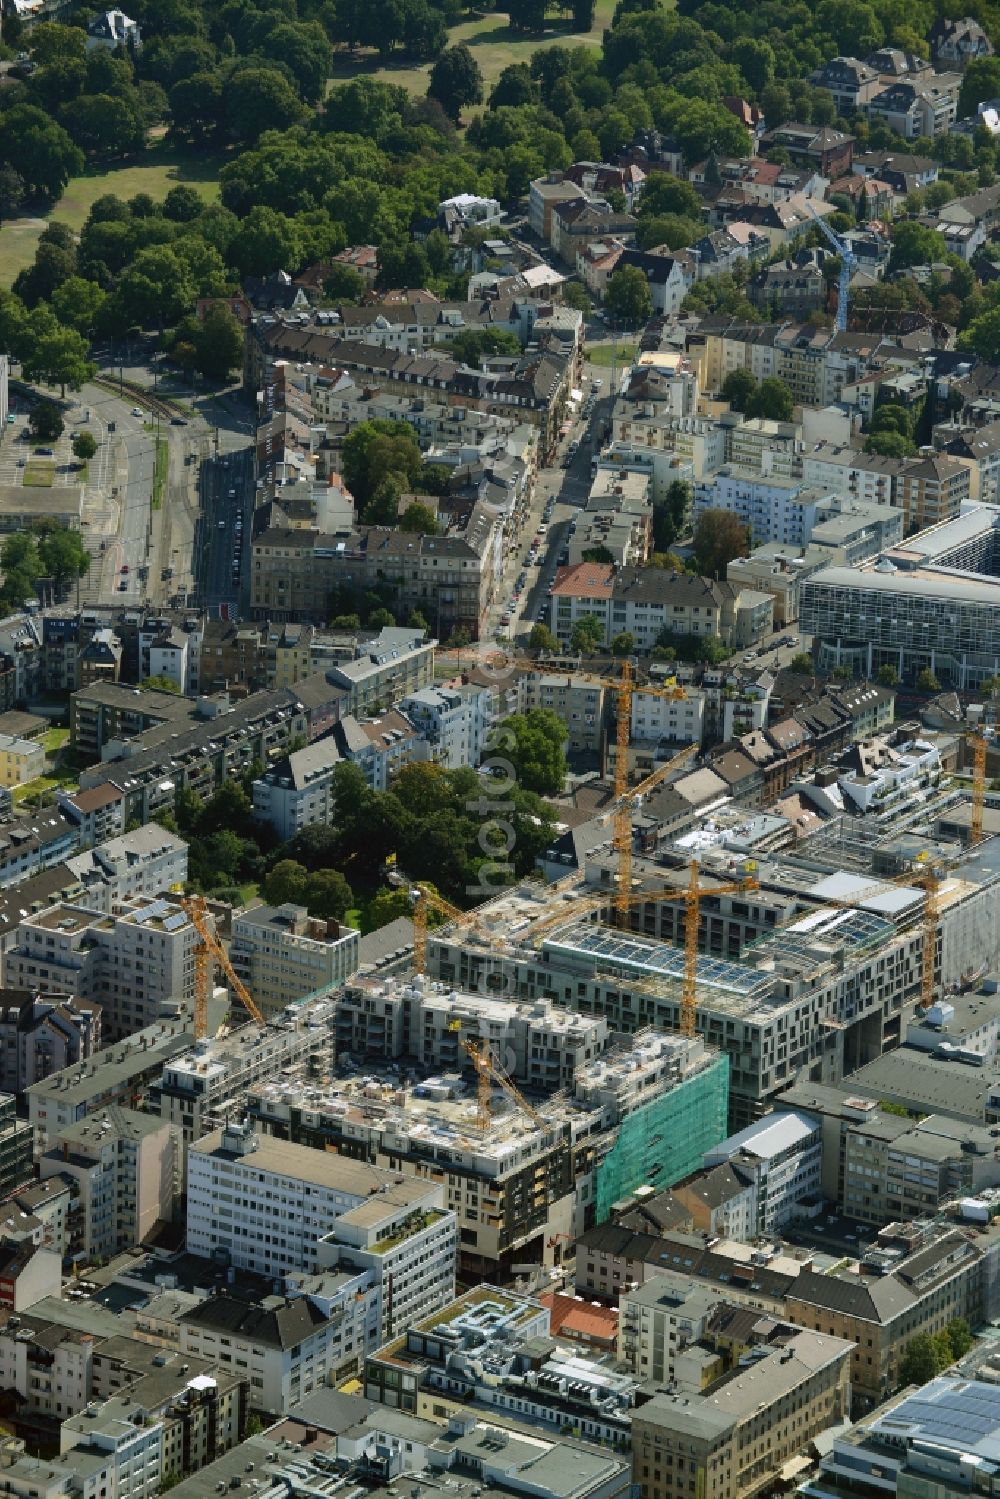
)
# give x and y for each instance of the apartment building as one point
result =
(515, 1371)
(396, 663)
(275, 1207)
(15, 1148)
(39, 1037)
(110, 712)
(200, 759)
(735, 1438)
(932, 488)
(143, 862)
(124, 1168)
(98, 814)
(199, 1086)
(816, 364)
(580, 704)
(294, 1347)
(20, 760)
(453, 721)
(138, 964)
(297, 791)
(285, 956)
(380, 746)
(762, 1011)
(38, 842)
(121, 1074)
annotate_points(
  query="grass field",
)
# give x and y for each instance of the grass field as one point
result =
(54, 740)
(39, 474)
(602, 354)
(491, 41)
(162, 168)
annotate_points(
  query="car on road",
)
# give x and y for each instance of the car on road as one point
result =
(137, 411)
(124, 567)
(178, 421)
(222, 525)
(45, 452)
(123, 586)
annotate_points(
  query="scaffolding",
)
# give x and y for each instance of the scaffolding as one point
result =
(666, 1139)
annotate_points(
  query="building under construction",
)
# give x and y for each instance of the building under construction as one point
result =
(543, 1165)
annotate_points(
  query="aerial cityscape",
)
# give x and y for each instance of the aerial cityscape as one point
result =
(500, 749)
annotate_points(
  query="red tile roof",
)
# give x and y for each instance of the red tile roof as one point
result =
(580, 1319)
(592, 580)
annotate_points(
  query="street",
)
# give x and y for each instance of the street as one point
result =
(222, 535)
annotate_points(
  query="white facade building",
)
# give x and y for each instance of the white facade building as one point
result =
(453, 720)
(783, 1153)
(298, 791)
(146, 861)
(275, 1207)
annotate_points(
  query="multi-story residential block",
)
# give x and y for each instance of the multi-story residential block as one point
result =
(296, 792)
(138, 964)
(815, 365)
(125, 1170)
(513, 1187)
(917, 107)
(99, 814)
(294, 1347)
(285, 956)
(199, 1086)
(956, 43)
(380, 746)
(453, 722)
(20, 760)
(852, 83)
(39, 1037)
(275, 1207)
(578, 702)
(122, 1074)
(15, 1148)
(735, 1438)
(396, 663)
(146, 861)
(30, 845)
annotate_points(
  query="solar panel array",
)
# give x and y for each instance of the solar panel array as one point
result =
(958, 1413)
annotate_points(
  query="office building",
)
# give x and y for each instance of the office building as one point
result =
(285, 956)
(273, 1207)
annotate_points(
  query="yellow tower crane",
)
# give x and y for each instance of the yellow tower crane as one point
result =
(625, 688)
(692, 907)
(978, 742)
(423, 899)
(210, 947)
(488, 1073)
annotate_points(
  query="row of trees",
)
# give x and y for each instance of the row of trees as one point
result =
(48, 551)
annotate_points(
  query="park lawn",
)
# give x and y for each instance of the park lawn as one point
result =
(491, 42)
(162, 168)
(605, 354)
(39, 474)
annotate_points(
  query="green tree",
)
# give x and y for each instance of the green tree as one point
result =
(159, 684)
(887, 676)
(59, 357)
(456, 81)
(63, 555)
(587, 635)
(286, 882)
(328, 895)
(921, 1360)
(514, 88)
(960, 1337)
(623, 644)
(381, 619)
(84, 446)
(219, 343)
(476, 344)
(538, 751)
(542, 639)
(41, 151)
(738, 387)
(45, 421)
(77, 303)
(344, 284)
(419, 519)
(376, 449)
(576, 296)
(385, 906)
(914, 244)
(598, 554)
(801, 663)
(927, 681)
(259, 99)
(628, 298)
(156, 288)
(982, 336)
(11, 191)
(890, 444)
(719, 537)
(981, 80)
(772, 400)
